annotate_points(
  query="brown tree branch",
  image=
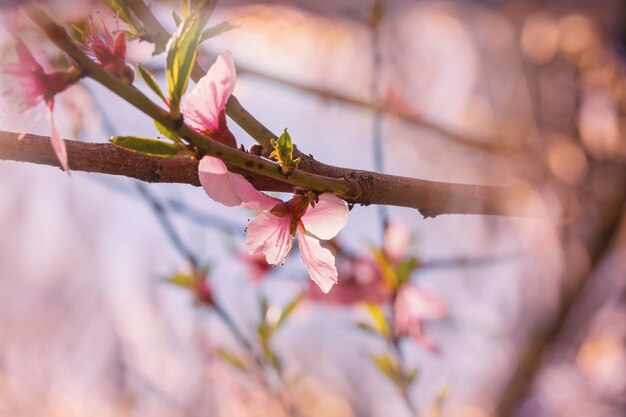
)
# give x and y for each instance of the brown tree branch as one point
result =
(430, 197)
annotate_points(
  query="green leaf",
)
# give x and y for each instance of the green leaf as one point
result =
(176, 17)
(165, 132)
(388, 367)
(442, 396)
(146, 146)
(184, 8)
(182, 50)
(389, 274)
(182, 279)
(283, 153)
(410, 376)
(405, 269)
(233, 360)
(379, 323)
(216, 30)
(368, 328)
(150, 81)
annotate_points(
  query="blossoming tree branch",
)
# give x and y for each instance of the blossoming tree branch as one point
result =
(199, 147)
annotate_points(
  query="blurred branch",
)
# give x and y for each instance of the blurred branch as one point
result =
(430, 197)
(168, 227)
(378, 151)
(468, 262)
(597, 243)
(263, 135)
(386, 107)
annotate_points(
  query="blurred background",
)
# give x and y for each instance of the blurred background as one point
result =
(481, 92)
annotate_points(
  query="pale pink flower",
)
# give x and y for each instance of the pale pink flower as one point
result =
(359, 278)
(257, 265)
(229, 188)
(413, 307)
(396, 242)
(204, 107)
(272, 233)
(108, 50)
(36, 85)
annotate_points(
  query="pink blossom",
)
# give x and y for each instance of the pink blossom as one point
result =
(413, 307)
(204, 107)
(360, 280)
(36, 85)
(229, 188)
(272, 233)
(396, 241)
(257, 265)
(109, 50)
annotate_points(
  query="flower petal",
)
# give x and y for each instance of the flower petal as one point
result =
(415, 303)
(269, 234)
(214, 177)
(327, 218)
(319, 261)
(251, 198)
(204, 103)
(58, 144)
(229, 188)
(397, 241)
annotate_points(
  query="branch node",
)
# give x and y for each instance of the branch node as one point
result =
(361, 187)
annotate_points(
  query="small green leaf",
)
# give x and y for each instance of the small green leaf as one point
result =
(389, 274)
(379, 323)
(165, 132)
(150, 81)
(388, 367)
(442, 396)
(216, 30)
(368, 328)
(182, 279)
(146, 146)
(405, 269)
(410, 376)
(233, 360)
(182, 50)
(184, 8)
(283, 153)
(176, 17)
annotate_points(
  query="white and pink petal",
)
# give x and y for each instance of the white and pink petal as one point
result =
(202, 106)
(229, 188)
(270, 235)
(319, 261)
(327, 218)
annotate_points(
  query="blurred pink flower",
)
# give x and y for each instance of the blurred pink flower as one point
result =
(360, 280)
(36, 85)
(204, 107)
(203, 293)
(257, 265)
(271, 233)
(396, 242)
(413, 307)
(108, 50)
